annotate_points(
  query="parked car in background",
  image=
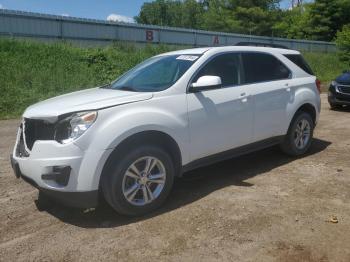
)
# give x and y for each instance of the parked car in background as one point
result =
(177, 111)
(339, 91)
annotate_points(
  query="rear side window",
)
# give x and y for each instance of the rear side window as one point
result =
(226, 66)
(260, 67)
(300, 61)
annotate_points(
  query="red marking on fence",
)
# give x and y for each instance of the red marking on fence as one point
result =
(149, 35)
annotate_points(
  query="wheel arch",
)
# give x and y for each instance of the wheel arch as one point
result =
(152, 137)
(307, 108)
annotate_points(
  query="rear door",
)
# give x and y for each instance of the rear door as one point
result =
(268, 81)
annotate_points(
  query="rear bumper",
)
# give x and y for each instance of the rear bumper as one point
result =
(85, 199)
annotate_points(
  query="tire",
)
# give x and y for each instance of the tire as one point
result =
(291, 145)
(121, 180)
(335, 106)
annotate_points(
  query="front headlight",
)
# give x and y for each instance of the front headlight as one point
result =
(73, 126)
(334, 83)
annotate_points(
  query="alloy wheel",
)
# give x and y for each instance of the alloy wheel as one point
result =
(144, 181)
(302, 134)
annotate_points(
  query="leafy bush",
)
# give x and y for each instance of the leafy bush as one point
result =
(343, 44)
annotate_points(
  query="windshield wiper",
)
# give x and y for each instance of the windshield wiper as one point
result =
(127, 88)
(106, 86)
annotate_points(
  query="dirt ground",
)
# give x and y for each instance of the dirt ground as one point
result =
(260, 207)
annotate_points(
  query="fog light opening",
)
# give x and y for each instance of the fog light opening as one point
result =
(59, 174)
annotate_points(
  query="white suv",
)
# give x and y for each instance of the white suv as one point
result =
(128, 140)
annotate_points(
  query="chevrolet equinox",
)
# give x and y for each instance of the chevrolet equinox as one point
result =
(128, 140)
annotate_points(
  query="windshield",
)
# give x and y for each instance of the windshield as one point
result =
(155, 74)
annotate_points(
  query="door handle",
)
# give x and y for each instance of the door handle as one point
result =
(244, 97)
(287, 87)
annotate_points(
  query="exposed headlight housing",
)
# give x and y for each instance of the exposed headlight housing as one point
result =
(335, 84)
(73, 126)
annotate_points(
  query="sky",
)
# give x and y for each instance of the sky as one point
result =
(121, 10)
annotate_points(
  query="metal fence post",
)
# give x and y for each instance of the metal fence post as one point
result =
(195, 38)
(116, 32)
(60, 25)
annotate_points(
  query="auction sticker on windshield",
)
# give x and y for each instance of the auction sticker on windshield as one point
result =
(187, 57)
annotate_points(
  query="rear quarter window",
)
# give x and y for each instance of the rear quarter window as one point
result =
(300, 61)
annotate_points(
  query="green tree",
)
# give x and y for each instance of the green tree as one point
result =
(343, 43)
(240, 16)
(217, 17)
(327, 17)
(294, 23)
(176, 13)
(192, 13)
(319, 20)
(256, 20)
(263, 4)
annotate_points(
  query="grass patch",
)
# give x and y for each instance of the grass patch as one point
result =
(327, 66)
(32, 71)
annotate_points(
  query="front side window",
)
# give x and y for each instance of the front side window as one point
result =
(155, 74)
(226, 66)
(260, 67)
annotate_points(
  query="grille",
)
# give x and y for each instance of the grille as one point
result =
(344, 89)
(342, 97)
(37, 130)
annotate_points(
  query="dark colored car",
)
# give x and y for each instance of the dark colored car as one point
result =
(339, 91)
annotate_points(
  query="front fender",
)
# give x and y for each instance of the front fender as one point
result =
(116, 124)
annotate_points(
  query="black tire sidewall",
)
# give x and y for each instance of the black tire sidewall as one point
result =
(290, 146)
(335, 106)
(112, 187)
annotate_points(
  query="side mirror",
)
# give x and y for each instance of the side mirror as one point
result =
(206, 83)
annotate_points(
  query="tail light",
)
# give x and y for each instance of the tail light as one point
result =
(318, 84)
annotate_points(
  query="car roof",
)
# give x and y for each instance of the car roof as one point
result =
(200, 51)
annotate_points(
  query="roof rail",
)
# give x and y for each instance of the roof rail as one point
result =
(261, 44)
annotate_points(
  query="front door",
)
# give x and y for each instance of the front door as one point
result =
(220, 119)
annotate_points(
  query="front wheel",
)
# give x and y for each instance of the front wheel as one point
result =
(139, 181)
(299, 137)
(335, 106)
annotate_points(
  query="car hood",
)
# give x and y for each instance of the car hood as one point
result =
(89, 99)
(344, 79)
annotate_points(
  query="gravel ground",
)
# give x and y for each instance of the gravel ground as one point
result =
(263, 206)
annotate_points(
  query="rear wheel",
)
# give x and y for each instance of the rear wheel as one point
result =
(299, 137)
(139, 181)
